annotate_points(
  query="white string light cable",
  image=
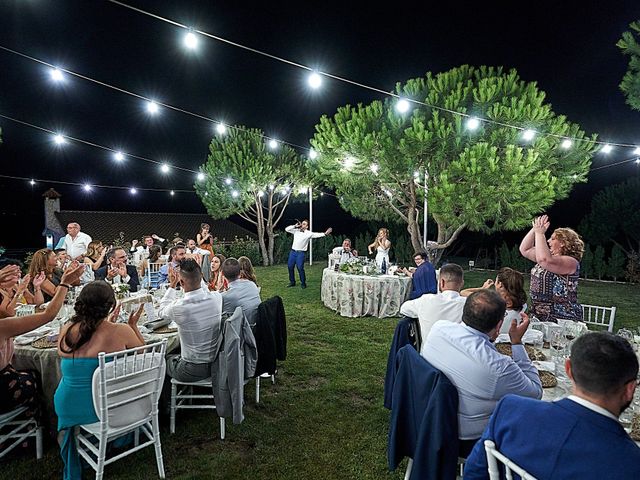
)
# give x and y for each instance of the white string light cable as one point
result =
(627, 160)
(90, 186)
(57, 74)
(60, 139)
(403, 103)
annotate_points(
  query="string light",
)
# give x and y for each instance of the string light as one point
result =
(152, 107)
(273, 144)
(200, 177)
(228, 181)
(221, 129)
(234, 194)
(374, 168)
(190, 40)
(260, 193)
(606, 148)
(313, 154)
(472, 123)
(32, 181)
(637, 161)
(348, 162)
(119, 156)
(172, 193)
(636, 151)
(164, 168)
(271, 187)
(314, 80)
(528, 135)
(56, 75)
(566, 144)
(402, 106)
(86, 187)
(133, 191)
(59, 139)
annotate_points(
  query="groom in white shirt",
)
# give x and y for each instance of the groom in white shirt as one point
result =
(301, 238)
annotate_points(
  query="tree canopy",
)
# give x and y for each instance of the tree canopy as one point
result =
(615, 216)
(630, 84)
(244, 177)
(484, 179)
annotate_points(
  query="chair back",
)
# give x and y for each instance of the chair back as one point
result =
(127, 384)
(601, 316)
(153, 274)
(494, 456)
(333, 258)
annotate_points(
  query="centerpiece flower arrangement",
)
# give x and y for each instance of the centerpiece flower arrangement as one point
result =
(121, 290)
(355, 266)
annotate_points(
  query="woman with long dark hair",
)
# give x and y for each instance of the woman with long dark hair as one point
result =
(217, 282)
(44, 260)
(90, 331)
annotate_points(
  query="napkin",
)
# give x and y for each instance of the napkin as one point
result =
(27, 338)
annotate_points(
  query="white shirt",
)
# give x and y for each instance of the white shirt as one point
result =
(76, 246)
(344, 254)
(481, 375)
(592, 406)
(198, 315)
(301, 239)
(431, 307)
(198, 251)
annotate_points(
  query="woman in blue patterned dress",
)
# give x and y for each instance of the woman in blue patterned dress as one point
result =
(554, 278)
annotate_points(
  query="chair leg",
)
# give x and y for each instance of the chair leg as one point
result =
(39, 443)
(407, 474)
(136, 437)
(157, 445)
(172, 414)
(222, 428)
(258, 389)
(102, 454)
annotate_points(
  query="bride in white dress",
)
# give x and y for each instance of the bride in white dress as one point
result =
(382, 245)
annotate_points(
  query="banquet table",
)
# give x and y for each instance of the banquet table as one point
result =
(46, 362)
(361, 295)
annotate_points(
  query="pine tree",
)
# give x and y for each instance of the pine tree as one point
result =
(615, 265)
(586, 265)
(599, 264)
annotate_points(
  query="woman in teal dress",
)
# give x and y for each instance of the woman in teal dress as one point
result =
(90, 331)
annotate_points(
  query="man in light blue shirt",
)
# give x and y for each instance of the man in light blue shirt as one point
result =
(465, 353)
(176, 255)
(241, 293)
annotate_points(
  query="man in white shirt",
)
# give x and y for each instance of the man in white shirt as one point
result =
(575, 437)
(301, 238)
(198, 315)
(432, 307)
(465, 353)
(75, 242)
(140, 252)
(193, 249)
(345, 251)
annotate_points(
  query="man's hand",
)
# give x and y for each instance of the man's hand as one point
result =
(73, 273)
(135, 316)
(174, 277)
(112, 272)
(122, 270)
(329, 230)
(516, 332)
(134, 243)
(10, 273)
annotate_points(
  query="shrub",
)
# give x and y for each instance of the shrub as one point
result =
(599, 264)
(615, 265)
(240, 247)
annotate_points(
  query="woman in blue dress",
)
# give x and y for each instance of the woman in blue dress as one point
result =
(90, 331)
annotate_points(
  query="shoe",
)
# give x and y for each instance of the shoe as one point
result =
(291, 285)
(304, 285)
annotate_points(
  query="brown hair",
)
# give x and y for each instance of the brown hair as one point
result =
(92, 250)
(39, 263)
(572, 244)
(246, 269)
(513, 283)
(220, 257)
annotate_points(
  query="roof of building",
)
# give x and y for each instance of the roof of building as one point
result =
(106, 226)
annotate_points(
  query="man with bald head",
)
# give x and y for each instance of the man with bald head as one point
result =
(75, 242)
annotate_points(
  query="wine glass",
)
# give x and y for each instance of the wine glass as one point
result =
(557, 342)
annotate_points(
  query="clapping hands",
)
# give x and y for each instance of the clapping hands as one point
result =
(541, 224)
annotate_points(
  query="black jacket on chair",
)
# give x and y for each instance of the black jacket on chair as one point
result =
(407, 333)
(271, 335)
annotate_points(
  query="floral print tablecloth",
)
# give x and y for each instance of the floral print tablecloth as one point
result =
(361, 295)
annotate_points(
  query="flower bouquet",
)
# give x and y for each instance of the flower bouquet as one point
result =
(121, 290)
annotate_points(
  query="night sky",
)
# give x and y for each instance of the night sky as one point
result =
(567, 47)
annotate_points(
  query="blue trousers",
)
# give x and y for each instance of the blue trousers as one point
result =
(296, 257)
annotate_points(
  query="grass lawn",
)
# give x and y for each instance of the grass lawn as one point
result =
(324, 416)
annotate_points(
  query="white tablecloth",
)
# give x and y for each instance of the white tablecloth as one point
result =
(361, 295)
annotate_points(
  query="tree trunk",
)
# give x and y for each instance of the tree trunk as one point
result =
(272, 241)
(260, 228)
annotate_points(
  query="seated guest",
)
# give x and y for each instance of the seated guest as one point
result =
(198, 315)
(465, 353)
(19, 388)
(44, 260)
(150, 279)
(140, 252)
(242, 293)
(217, 281)
(176, 255)
(446, 305)
(578, 436)
(423, 277)
(118, 271)
(62, 258)
(345, 251)
(95, 255)
(87, 333)
(14, 291)
(75, 242)
(193, 249)
(509, 284)
(246, 269)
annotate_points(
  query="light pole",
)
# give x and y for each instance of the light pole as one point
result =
(424, 227)
(310, 220)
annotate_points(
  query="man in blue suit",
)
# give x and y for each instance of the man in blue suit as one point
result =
(576, 437)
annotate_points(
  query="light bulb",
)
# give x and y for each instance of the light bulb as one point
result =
(314, 80)
(221, 129)
(473, 123)
(402, 105)
(528, 135)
